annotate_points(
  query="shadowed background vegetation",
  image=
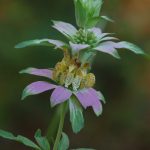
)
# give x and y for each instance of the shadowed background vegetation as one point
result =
(125, 83)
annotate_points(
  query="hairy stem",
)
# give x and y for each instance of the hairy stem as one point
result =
(61, 124)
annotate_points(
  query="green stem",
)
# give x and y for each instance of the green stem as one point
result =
(53, 126)
(60, 128)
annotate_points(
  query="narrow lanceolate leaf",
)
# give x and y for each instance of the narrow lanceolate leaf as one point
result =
(19, 138)
(6, 135)
(27, 142)
(60, 95)
(64, 142)
(38, 72)
(89, 97)
(109, 38)
(130, 46)
(42, 141)
(76, 116)
(37, 88)
(109, 48)
(80, 13)
(65, 28)
(41, 42)
(78, 47)
(103, 35)
(107, 18)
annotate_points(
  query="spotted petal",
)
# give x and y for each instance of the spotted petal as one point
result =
(59, 95)
(41, 42)
(104, 35)
(37, 88)
(65, 28)
(89, 97)
(38, 72)
(108, 47)
(77, 47)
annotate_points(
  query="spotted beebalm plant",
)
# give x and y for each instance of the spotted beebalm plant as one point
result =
(70, 80)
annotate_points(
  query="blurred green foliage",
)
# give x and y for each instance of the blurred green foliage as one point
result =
(125, 122)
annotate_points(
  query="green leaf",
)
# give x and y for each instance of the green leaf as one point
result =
(19, 138)
(37, 42)
(6, 135)
(80, 13)
(107, 18)
(92, 22)
(64, 142)
(26, 142)
(130, 46)
(42, 141)
(76, 116)
(97, 4)
(41, 42)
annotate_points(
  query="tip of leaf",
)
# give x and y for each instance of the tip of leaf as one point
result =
(38, 133)
(21, 45)
(54, 21)
(103, 99)
(24, 71)
(23, 97)
(24, 94)
(107, 19)
(116, 55)
(99, 113)
(21, 72)
(17, 46)
(142, 53)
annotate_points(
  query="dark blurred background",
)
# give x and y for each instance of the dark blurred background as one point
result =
(125, 123)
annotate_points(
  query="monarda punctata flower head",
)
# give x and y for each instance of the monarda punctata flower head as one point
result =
(71, 80)
(72, 77)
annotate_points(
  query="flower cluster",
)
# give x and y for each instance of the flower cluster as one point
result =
(71, 80)
(72, 74)
(72, 77)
